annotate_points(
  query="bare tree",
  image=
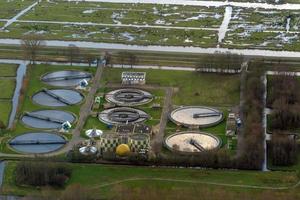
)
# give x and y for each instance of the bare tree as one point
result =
(73, 53)
(122, 55)
(132, 59)
(90, 58)
(31, 45)
(107, 57)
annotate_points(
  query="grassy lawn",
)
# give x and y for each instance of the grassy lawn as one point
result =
(8, 70)
(93, 176)
(7, 86)
(5, 109)
(194, 88)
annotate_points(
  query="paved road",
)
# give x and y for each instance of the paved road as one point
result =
(157, 140)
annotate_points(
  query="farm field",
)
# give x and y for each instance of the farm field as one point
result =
(155, 24)
(260, 28)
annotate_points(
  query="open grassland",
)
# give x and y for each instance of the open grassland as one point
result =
(5, 109)
(8, 70)
(136, 14)
(102, 180)
(7, 86)
(9, 8)
(126, 35)
(263, 29)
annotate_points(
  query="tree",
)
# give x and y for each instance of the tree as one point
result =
(73, 53)
(90, 58)
(284, 149)
(2, 125)
(31, 45)
(132, 59)
(122, 56)
(107, 57)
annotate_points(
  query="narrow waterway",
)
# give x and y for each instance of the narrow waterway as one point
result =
(224, 26)
(15, 101)
(155, 48)
(264, 166)
(287, 27)
(2, 168)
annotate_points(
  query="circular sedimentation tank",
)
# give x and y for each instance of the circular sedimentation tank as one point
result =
(129, 97)
(199, 116)
(139, 141)
(57, 97)
(47, 119)
(192, 142)
(122, 115)
(67, 78)
(37, 142)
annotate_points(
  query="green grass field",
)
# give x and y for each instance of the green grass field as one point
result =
(112, 13)
(9, 8)
(94, 177)
(8, 70)
(5, 109)
(7, 86)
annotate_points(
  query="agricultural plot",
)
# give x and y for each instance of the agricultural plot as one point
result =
(266, 29)
(132, 14)
(141, 24)
(128, 35)
(9, 8)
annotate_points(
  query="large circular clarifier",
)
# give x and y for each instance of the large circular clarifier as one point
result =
(192, 142)
(39, 142)
(196, 116)
(122, 115)
(47, 119)
(129, 97)
(57, 97)
(66, 78)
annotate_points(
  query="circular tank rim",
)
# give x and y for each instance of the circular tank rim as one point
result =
(67, 88)
(197, 132)
(27, 153)
(189, 125)
(116, 108)
(72, 70)
(129, 104)
(45, 129)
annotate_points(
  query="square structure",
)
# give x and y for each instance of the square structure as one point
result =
(133, 78)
